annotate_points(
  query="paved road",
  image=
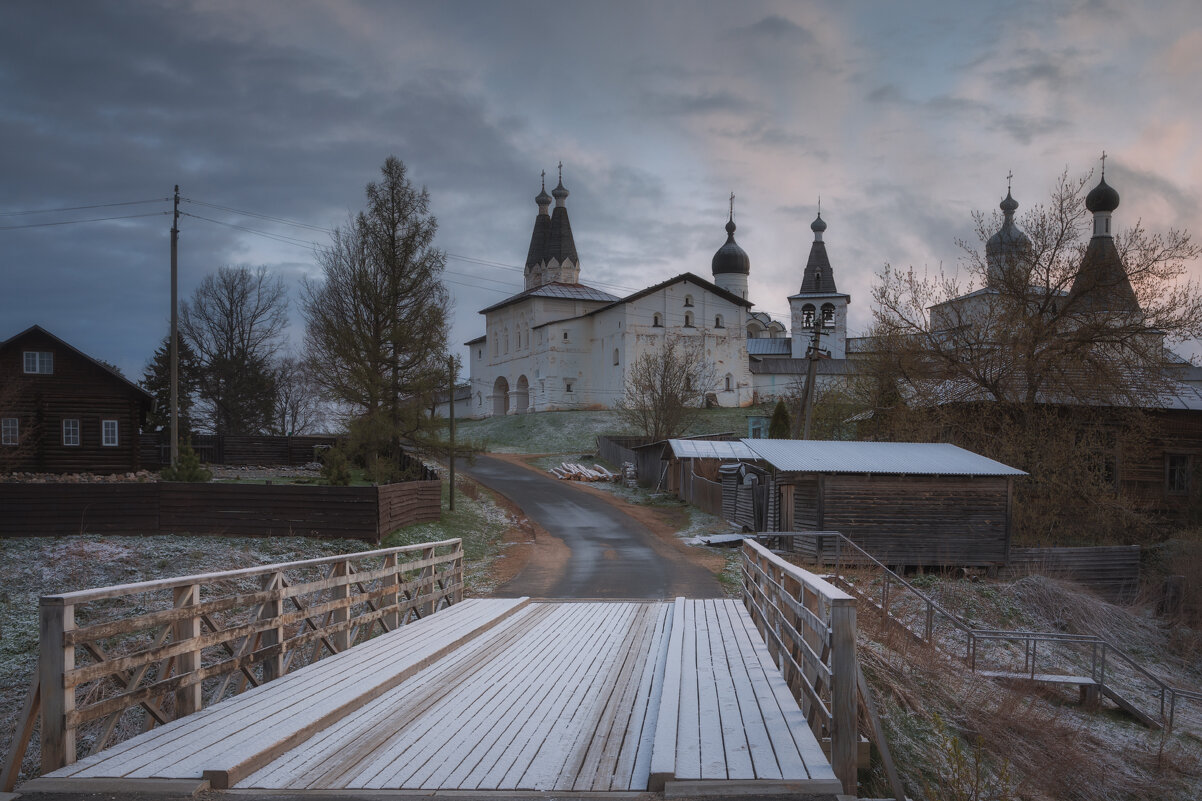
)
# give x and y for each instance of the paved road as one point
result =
(609, 553)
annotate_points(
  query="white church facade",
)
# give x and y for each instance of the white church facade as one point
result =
(561, 344)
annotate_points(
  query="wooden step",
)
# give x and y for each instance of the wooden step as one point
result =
(1131, 709)
(1047, 678)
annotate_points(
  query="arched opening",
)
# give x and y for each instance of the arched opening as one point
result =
(615, 357)
(807, 316)
(754, 329)
(718, 322)
(657, 321)
(688, 300)
(688, 319)
(729, 383)
(828, 315)
(521, 396)
(500, 396)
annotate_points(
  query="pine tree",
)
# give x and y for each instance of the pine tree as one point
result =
(778, 427)
(156, 379)
(189, 467)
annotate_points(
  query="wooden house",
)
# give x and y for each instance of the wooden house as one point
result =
(61, 411)
(905, 503)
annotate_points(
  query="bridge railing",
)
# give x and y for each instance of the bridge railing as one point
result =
(809, 626)
(115, 661)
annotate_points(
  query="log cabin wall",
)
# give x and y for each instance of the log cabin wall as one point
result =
(77, 389)
(911, 520)
(1144, 477)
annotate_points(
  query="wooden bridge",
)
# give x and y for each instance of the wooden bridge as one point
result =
(681, 697)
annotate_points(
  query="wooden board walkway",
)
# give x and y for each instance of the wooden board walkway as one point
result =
(503, 695)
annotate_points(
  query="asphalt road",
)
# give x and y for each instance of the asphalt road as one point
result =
(609, 554)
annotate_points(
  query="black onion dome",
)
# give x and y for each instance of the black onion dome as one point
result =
(731, 258)
(559, 192)
(1009, 205)
(1102, 197)
(819, 225)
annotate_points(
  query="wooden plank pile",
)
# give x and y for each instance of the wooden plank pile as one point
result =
(570, 471)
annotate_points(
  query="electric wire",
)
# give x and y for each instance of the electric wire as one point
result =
(79, 208)
(88, 220)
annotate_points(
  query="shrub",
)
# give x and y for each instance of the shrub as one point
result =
(335, 467)
(188, 468)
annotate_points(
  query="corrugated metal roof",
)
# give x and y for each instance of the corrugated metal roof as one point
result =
(556, 290)
(912, 458)
(710, 449)
(776, 346)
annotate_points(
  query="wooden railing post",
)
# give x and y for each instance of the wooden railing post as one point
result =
(392, 621)
(457, 574)
(341, 638)
(54, 660)
(428, 585)
(187, 699)
(844, 731)
(273, 667)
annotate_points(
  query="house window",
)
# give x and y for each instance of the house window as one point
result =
(615, 357)
(1177, 473)
(108, 433)
(718, 322)
(39, 361)
(807, 316)
(828, 315)
(688, 319)
(688, 300)
(10, 431)
(657, 321)
(71, 432)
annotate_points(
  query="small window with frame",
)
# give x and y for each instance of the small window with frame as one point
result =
(657, 321)
(1178, 471)
(718, 322)
(688, 300)
(688, 319)
(71, 432)
(108, 433)
(567, 386)
(39, 362)
(10, 431)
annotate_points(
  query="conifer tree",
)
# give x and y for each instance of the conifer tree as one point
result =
(778, 427)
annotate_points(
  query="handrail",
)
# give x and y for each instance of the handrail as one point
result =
(1098, 666)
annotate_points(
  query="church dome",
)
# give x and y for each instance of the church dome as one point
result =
(819, 225)
(731, 258)
(1008, 247)
(1102, 197)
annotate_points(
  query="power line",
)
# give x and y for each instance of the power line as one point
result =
(287, 240)
(79, 208)
(283, 220)
(90, 219)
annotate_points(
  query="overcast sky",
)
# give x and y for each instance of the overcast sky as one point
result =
(903, 117)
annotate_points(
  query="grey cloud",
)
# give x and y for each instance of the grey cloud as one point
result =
(779, 30)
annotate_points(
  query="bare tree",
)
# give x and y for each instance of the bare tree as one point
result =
(235, 323)
(376, 326)
(1042, 360)
(666, 387)
(298, 406)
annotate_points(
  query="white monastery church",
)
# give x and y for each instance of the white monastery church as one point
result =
(561, 344)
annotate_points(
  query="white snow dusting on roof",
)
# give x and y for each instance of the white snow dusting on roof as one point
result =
(912, 458)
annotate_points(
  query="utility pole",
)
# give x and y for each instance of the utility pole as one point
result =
(175, 332)
(451, 415)
(813, 354)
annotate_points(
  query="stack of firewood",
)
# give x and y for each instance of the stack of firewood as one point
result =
(570, 471)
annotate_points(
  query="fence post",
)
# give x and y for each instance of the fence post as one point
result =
(392, 620)
(457, 574)
(273, 667)
(428, 585)
(187, 699)
(844, 731)
(54, 660)
(341, 638)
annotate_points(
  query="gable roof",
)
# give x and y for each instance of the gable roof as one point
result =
(556, 290)
(897, 458)
(683, 277)
(38, 329)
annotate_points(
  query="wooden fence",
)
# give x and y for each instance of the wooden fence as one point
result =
(231, 510)
(118, 660)
(809, 627)
(706, 495)
(1110, 571)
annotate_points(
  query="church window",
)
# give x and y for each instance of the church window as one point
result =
(506, 340)
(567, 386)
(807, 316)
(688, 300)
(730, 382)
(688, 319)
(615, 357)
(718, 322)
(565, 336)
(479, 353)
(657, 321)
(828, 315)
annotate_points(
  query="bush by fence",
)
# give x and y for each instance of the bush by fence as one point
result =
(231, 510)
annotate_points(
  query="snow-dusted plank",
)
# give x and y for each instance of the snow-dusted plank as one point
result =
(763, 752)
(529, 683)
(564, 740)
(667, 718)
(785, 719)
(624, 718)
(157, 753)
(713, 750)
(634, 767)
(456, 713)
(688, 734)
(734, 739)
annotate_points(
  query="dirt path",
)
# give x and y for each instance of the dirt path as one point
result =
(586, 543)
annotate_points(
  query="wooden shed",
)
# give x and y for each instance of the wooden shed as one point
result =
(905, 503)
(61, 411)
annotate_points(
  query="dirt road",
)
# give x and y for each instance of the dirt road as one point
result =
(589, 547)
